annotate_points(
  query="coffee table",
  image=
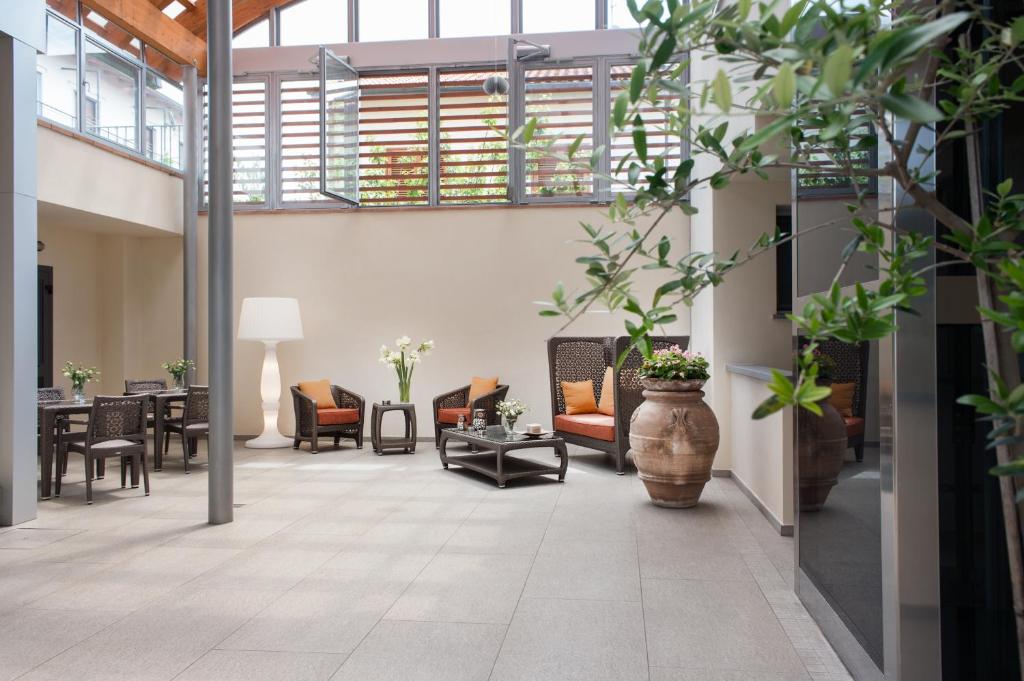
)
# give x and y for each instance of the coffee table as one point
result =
(494, 462)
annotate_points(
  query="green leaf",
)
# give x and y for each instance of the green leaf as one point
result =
(838, 68)
(619, 110)
(911, 108)
(575, 146)
(768, 407)
(722, 91)
(1004, 187)
(529, 129)
(636, 82)
(640, 138)
(784, 85)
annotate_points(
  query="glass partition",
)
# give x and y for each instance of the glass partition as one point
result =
(544, 16)
(314, 22)
(98, 25)
(339, 129)
(460, 18)
(110, 94)
(394, 20)
(257, 35)
(165, 114)
(57, 74)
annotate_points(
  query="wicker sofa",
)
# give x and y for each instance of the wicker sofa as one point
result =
(344, 419)
(448, 407)
(574, 359)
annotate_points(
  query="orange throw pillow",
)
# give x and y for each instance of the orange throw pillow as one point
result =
(842, 398)
(479, 387)
(320, 391)
(579, 397)
(607, 404)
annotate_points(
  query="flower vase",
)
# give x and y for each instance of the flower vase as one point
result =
(403, 392)
(179, 382)
(509, 422)
(78, 393)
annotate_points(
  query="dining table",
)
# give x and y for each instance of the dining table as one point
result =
(52, 413)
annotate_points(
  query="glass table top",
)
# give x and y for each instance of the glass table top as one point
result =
(495, 434)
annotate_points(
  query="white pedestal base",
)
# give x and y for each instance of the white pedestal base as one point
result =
(270, 391)
(269, 441)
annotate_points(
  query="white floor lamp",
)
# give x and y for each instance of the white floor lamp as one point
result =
(270, 321)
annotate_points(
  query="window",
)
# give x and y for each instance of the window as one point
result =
(545, 16)
(58, 74)
(619, 16)
(461, 18)
(473, 164)
(67, 8)
(257, 35)
(314, 22)
(655, 118)
(97, 25)
(249, 142)
(300, 141)
(165, 113)
(111, 87)
(393, 145)
(561, 99)
(394, 20)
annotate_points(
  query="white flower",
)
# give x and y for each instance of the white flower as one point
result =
(414, 357)
(426, 346)
(403, 342)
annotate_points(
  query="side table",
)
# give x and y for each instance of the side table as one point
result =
(407, 443)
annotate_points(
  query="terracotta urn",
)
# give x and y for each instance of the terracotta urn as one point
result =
(673, 437)
(821, 445)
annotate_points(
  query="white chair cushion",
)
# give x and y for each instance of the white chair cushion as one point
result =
(115, 444)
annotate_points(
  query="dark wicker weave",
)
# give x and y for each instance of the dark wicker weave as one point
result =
(64, 434)
(459, 398)
(144, 385)
(194, 422)
(308, 429)
(574, 359)
(117, 427)
(852, 361)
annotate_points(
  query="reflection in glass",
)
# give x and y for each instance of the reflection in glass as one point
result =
(98, 25)
(544, 16)
(394, 20)
(619, 15)
(57, 79)
(68, 8)
(314, 22)
(165, 113)
(461, 18)
(110, 93)
(839, 495)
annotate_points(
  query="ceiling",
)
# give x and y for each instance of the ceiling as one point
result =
(245, 13)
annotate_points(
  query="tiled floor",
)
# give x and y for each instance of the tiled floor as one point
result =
(353, 567)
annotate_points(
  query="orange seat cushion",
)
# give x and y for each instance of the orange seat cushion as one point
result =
(842, 398)
(597, 426)
(336, 417)
(320, 392)
(452, 415)
(607, 403)
(579, 397)
(854, 425)
(479, 387)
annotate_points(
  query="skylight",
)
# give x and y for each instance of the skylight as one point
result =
(174, 9)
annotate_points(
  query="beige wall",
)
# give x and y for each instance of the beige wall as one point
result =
(463, 277)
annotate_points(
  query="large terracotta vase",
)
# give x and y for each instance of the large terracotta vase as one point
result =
(821, 445)
(674, 436)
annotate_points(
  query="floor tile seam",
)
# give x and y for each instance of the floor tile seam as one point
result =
(519, 599)
(643, 608)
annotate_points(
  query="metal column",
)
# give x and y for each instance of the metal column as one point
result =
(18, 234)
(190, 212)
(221, 439)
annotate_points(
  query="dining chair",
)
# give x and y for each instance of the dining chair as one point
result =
(117, 427)
(64, 433)
(194, 422)
(134, 386)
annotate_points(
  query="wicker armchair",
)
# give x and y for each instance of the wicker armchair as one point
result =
(343, 419)
(852, 362)
(194, 422)
(117, 427)
(574, 359)
(448, 407)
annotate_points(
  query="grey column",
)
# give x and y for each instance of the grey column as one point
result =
(18, 360)
(190, 213)
(221, 442)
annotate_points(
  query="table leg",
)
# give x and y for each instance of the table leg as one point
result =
(46, 443)
(158, 434)
(442, 450)
(499, 453)
(375, 431)
(561, 452)
(412, 415)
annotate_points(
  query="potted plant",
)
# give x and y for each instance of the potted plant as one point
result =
(404, 361)
(674, 434)
(510, 411)
(79, 376)
(821, 441)
(178, 369)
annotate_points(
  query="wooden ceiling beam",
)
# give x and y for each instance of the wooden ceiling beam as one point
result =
(142, 19)
(244, 14)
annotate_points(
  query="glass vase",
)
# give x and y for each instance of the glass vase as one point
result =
(179, 382)
(509, 422)
(78, 393)
(403, 392)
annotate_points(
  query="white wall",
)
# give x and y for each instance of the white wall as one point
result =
(463, 277)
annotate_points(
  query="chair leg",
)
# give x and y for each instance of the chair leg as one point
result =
(145, 473)
(858, 452)
(62, 462)
(437, 436)
(88, 477)
(620, 463)
(359, 437)
(295, 442)
(124, 471)
(101, 467)
(167, 442)
(186, 443)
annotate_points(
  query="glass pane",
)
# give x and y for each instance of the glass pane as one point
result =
(257, 35)
(314, 22)
(68, 8)
(544, 16)
(58, 74)
(339, 130)
(619, 16)
(393, 139)
(111, 89)
(165, 112)
(474, 157)
(100, 27)
(395, 20)
(475, 17)
(300, 141)
(561, 99)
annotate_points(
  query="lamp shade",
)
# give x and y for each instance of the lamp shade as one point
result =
(270, 319)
